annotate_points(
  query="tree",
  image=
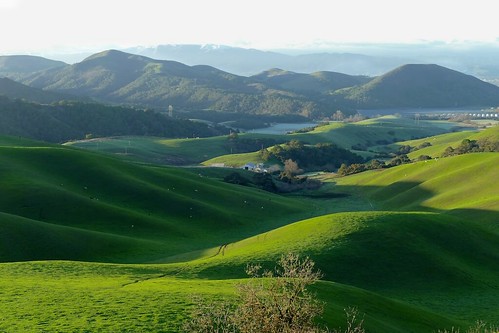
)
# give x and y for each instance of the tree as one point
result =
(278, 301)
(291, 169)
(338, 115)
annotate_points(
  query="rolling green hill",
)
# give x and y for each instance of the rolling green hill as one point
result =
(411, 256)
(414, 247)
(74, 296)
(459, 184)
(55, 201)
(440, 142)
(422, 86)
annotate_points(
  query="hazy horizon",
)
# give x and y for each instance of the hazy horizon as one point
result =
(61, 27)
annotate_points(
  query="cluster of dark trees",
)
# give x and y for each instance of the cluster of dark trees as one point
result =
(264, 181)
(466, 146)
(319, 157)
(472, 146)
(65, 121)
(236, 145)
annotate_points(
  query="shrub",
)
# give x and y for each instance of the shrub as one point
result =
(272, 301)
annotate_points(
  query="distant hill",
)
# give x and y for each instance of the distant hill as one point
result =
(16, 90)
(19, 66)
(248, 62)
(319, 82)
(418, 85)
(66, 121)
(118, 77)
(369, 59)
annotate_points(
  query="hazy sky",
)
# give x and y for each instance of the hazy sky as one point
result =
(51, 26)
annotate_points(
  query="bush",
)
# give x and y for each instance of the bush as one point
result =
(272, 301)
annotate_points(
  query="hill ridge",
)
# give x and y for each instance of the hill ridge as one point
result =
(423, 86)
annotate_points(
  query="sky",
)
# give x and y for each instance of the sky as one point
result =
(72, 26)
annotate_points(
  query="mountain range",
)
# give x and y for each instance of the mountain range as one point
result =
(354, 59)
(250, 62)
(122, 78)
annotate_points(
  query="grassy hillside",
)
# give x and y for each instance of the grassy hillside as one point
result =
(123, 78)
(418, 85)
(127, 212)
(371, 132)
(451, 183)
(390, 253)
(158, 150)
(73, 296)
(440, 142)
(319, 82)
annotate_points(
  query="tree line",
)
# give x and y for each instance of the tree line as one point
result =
(319, 157)
(66, 121)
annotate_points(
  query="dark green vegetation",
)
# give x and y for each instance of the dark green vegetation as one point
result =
(118, 77)
(320, 157)
(64, 121)
(318, 82)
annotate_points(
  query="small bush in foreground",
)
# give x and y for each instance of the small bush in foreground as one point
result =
(272, 302)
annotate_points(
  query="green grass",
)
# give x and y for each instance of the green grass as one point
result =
(415, 248)
(452, 183)
(235, 160)
(84, 297)
(440, 142)
(391, 254)
(127, 212)
(371, 131)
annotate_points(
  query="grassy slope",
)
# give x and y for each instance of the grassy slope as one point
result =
(440, 142)
(453, 183)
(387, 128)
(78, 297)
(134, 212)
(235, 160)
(412, 256)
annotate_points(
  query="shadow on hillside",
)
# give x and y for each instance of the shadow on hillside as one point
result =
(398, 196)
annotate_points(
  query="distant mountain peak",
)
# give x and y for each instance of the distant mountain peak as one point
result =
(423, 85)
